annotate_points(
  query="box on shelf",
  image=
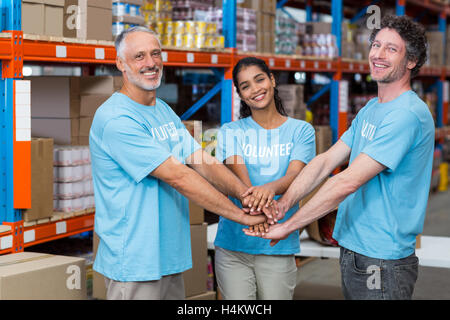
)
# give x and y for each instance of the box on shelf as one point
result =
(435, 48)
(54, 15)
(41, 180)
(293, 100)
(37, 276)
(195, 129)
(33, 13)
(196, 278)
(324, 138)
(196, 214)
(94, 18)
(98, 280)
(63, 107)
(63, 131)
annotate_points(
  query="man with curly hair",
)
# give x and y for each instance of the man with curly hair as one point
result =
(383, 194)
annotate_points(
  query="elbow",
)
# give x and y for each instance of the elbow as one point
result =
(345, 185)
(179, 179)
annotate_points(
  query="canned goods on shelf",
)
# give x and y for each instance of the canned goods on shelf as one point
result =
(190, 27)
(180, 27)
(178, 40)
(200, 41)
(189, 41)
(166, 40)
(168, 27)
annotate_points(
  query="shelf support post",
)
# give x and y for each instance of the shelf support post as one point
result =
(229, 29)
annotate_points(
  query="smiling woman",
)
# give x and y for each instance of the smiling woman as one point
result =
(266, 150)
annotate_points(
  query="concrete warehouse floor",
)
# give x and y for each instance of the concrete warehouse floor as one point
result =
(320, 279)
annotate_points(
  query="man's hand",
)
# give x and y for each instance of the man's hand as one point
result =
(260, 229)
(281, 207)
(263, 196)
(276, 233)
(249, 220)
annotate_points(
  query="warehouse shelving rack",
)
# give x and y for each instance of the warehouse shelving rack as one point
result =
(15, 48)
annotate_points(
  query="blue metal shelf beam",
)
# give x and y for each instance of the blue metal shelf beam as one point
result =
(11, 20)
(202, 101)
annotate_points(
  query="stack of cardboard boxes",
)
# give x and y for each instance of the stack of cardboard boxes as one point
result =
(265, 17)
(447, 49)
(62, 114)
(63, 107)
(435, 48)
(82, 19)
(293, 100)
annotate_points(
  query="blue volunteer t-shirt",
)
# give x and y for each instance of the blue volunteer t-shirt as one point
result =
(142, 222)
(384, 216)
(266, 154)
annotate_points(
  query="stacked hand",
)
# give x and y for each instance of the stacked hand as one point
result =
(258, 200)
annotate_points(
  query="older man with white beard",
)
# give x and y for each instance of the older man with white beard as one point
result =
(144, 164)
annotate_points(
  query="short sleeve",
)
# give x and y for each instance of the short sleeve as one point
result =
(133, 147)
(188, 144)
(394, 137)
(228, 143)
(304, 148)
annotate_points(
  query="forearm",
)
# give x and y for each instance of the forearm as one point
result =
(196, 188)
(281, 185)
(309, 178)
(327, 199)
(220, 177)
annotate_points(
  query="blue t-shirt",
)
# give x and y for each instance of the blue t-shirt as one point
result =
(142, 222)
(266, 154)
(384, 216)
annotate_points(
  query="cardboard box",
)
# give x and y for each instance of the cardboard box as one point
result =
(37, 276)
(99, 85)
(250, 4)
(196, 214)
(41, 180)
(419, 241)
(269, 6)
(33, 13)
(85, 126)
(54, 97)
(195, 129)
(293, 99)
(195, 279)
(61, 130)
(98, 280)
(90, 103)
(435, 48)
(88, 19)
(209, 295)
(324, 138)
(54, 15)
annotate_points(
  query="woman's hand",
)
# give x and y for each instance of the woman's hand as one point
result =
(262, 197)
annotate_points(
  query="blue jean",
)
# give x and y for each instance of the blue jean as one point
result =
(365, 278)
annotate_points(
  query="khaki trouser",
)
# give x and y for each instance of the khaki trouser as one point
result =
(242, 276)
(168, 288)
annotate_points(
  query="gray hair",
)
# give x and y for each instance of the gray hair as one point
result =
(119, 42)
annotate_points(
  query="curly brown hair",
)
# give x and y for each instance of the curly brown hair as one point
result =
(412, 33)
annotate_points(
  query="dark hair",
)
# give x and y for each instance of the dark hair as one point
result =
(412, 33)
(252, 61)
